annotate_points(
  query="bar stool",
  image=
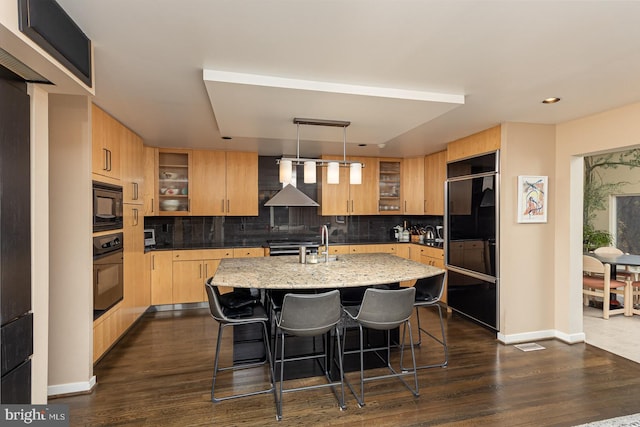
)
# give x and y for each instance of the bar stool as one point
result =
(383, 310)
(429, 292)
(226, 317)
(310, 315)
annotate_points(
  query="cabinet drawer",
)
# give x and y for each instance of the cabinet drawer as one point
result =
(248, 252)
(432, 252)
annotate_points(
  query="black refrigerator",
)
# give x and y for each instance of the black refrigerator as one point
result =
(472, 238)
(16, 341)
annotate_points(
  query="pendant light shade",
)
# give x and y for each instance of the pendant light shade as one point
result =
(333, 173)
(355, 173)
(285, 171)
(309, 172)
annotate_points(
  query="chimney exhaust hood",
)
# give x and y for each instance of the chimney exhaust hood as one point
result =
(291, 196)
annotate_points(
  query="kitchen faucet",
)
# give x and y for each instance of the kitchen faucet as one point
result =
(324, 231)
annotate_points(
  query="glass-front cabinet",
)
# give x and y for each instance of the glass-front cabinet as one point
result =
(174, 167)
(389, 182)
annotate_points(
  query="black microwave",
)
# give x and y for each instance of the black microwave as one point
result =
(107, 206)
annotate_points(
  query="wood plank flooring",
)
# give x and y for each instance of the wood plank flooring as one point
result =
(159, 374)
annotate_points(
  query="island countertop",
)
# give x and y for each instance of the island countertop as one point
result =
(349, 270)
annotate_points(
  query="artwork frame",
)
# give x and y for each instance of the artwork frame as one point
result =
(533, 192)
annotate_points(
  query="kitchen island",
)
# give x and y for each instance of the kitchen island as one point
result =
(348, 270)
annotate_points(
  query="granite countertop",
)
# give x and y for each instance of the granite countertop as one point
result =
(349, 270)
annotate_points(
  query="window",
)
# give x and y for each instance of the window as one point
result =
(627, 222)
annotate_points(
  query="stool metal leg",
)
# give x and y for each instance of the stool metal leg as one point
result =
(442, 341)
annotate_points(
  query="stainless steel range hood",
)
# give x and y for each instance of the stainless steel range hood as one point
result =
(291, 196)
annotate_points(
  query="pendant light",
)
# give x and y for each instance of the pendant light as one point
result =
(333, 166)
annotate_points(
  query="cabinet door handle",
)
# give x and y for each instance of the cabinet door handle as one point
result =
(206, 270)
(351, 206)
(405, 205)
(153, 262)
(152, 206)
(200, 271)
(228, 208)
(106, 160)
(135, 191)
(424, 206)
(109, 160)
(347, 206)
(135, 215)
(222, 205)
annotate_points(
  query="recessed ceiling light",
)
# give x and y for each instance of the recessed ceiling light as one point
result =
(551, 100)
(226, 137)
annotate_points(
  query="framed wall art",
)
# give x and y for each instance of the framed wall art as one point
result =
(532, 199)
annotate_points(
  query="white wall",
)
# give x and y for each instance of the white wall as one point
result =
(526, 250)
(613, 130)
(39, 241)
(70, 247)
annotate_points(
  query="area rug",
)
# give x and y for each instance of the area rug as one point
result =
(626, 421)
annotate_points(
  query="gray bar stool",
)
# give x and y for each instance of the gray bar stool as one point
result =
(383, 310)
(310, 315)
(253, 314)
(429, 292)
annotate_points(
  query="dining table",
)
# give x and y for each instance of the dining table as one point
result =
(615, 260)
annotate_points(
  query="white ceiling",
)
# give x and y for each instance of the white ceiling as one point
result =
(164, 68)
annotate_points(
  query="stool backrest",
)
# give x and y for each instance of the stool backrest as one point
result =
(213, 295)
(310, 314)
(430, 288)
(386, 309)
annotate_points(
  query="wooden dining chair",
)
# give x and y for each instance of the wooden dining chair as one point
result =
(624, 272)
(596, 281)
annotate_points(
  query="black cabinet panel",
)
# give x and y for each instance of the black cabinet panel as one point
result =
(16, 385)
(17, 342)
(15, 232)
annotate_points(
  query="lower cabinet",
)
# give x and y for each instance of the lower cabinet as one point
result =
(178, 277)
(106, 331)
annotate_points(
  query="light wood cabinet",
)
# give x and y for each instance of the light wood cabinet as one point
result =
(173, 182)
(150, 192)
(479, 143)
(106, 331)
(390, 186)
(161, 277)
(345, 198)
(106, 135)
(435, 175)
(242, 183)
(387, 248)
(413, 185)
(132, 168)
(133, 262)
(209, 195)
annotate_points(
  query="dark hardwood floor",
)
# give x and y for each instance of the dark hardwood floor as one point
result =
(159, 374)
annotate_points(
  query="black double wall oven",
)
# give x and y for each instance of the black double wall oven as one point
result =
(472, 238)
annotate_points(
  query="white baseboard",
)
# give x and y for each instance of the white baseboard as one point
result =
(72, 388)
(541, 335)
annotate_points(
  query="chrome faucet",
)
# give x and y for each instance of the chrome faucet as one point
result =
(324, 241)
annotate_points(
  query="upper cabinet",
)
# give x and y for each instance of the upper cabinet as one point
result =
(150, 194)
(390, 186)
(173, 178)
(225, 183)
(106, 136)
(132, 168)
(201, 182)
(435, 175)
(413, 185)
(345, 198)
